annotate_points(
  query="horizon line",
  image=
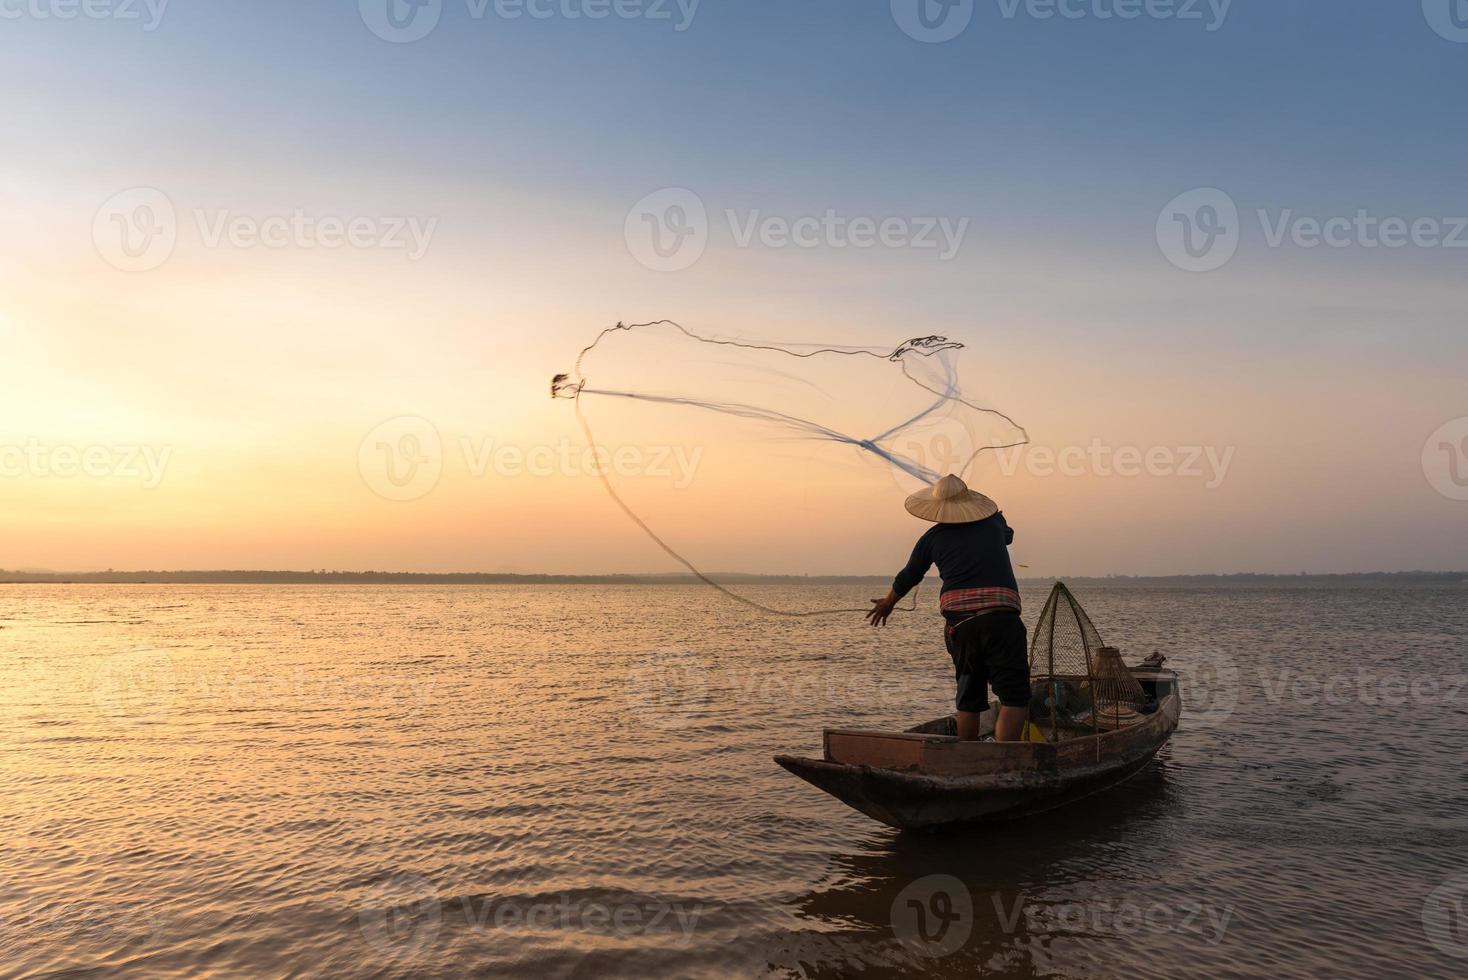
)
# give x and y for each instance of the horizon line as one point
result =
(286, 576)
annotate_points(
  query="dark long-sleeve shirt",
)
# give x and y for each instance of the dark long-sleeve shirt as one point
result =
(968, 556)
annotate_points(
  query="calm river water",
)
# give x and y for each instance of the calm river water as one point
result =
(576, 782)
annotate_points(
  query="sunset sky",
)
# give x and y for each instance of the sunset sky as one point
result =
(233, 393)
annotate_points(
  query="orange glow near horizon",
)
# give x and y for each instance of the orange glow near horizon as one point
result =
(256, 377)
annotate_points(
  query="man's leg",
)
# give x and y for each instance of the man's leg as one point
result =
(1008, 659)
(1011, 724)
(968, 725)
(973, 681)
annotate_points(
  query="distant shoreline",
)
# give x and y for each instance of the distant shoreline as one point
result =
(1237, 581)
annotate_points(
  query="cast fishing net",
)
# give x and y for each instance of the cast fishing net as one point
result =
(825, 433)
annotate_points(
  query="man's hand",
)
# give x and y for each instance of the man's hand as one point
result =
(881, 609)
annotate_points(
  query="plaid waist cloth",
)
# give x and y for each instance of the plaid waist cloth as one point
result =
(979, 600)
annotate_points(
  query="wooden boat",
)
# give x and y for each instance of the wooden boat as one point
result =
(925, 778)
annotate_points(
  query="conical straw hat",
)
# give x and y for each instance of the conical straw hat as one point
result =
(950, 501)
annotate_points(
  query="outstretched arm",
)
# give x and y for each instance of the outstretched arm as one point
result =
(917, 567)
(882, 608)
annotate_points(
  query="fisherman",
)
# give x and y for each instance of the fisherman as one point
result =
(985, 636)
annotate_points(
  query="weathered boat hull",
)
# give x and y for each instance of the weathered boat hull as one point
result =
(922, 781)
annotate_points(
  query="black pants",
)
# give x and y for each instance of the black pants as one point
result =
(990, 650)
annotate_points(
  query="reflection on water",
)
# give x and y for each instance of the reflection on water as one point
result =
(965, 904)
(559, 781)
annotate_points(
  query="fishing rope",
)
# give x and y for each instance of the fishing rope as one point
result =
(562, 387)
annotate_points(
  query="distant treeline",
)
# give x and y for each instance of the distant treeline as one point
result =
(405, 578)
(323, 577)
